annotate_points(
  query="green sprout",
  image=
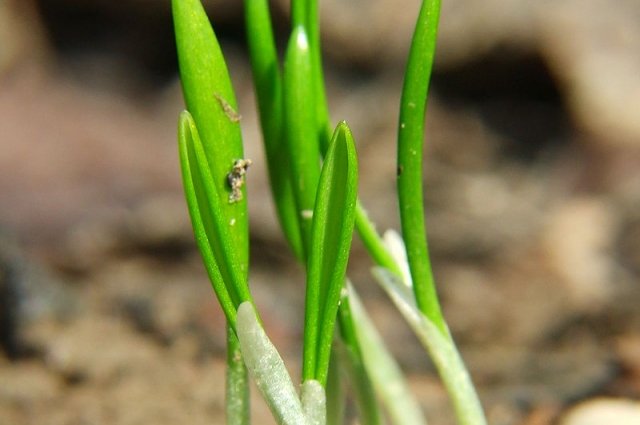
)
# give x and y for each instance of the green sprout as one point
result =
(314, 181)
(333, 221)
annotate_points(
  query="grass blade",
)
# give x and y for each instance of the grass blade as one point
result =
(218, 229)
(333, 221)
(299, 13)
(410, 144)
(202, 215)
(267, 80)
(312, 27)
(300, 127)
(210, 100)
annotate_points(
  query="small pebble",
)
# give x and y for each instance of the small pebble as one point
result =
(604, 412)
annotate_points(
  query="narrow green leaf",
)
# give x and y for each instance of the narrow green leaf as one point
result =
(306, 14)
(237, 383)
(200, 212)
(299, 13)
(217, 229)
(387, 378)
(268, 83)
(410, 146)
(267, 369)
(441, 348)
(312, 27)
(333, 221)
(300, 125)
(210, 100)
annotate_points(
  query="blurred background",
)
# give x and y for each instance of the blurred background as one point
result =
(532, 188)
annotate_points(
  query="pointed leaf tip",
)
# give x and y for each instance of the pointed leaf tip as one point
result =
(332, 231)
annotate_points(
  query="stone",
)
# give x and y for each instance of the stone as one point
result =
(604, 411)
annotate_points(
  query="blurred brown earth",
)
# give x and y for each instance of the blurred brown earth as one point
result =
(532, 189)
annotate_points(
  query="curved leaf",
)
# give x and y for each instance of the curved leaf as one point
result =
(410, 144)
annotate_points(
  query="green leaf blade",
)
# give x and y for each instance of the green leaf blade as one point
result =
(210, 100)
(333, 222)
(201, 216)
(300, 125)
(410, 147)
(267, 80)
(312, 28)
(221, 240)
(299, 12)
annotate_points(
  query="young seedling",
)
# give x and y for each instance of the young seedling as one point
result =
(314, 183)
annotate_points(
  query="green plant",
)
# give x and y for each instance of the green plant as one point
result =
(313, 176)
